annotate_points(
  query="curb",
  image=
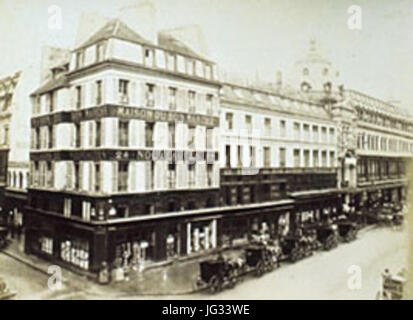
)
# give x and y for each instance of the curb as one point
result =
(25, 261)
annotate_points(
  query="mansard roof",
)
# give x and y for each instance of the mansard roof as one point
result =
(115, 28)
(170, 43)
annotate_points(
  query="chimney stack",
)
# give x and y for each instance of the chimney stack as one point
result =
(89, 24)
(141, 17)
(191, 36)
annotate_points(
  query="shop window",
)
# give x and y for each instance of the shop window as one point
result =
(46, 245)
(76, 252)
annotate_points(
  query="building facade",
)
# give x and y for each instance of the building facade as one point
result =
(140, 154)
(122, 142)
(276, 149)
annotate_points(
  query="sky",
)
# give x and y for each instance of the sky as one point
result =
(251, 37)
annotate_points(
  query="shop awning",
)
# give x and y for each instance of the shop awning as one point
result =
(315, 193)
(238, 209)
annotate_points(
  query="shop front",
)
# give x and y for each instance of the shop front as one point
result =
(73, 245)
(201, 235)
(239, 227)
(311, 207)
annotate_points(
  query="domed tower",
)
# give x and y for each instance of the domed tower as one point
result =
(315, 74)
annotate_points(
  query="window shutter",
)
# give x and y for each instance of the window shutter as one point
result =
(33, 138)
(69, 175)
(114, 176)
(83, 96)
(91, 183)
(165, 97)
(158, 96)
(103, 93)
(83, 141)
(115, 132)
(72, 98)
(132, 133)
(115, 90)
(133, 93)
(198, 105)
(132, 176)
(148, 175)
(184, 100)
(92, 133)
(73, 135)
(93, 88)
(142, 95)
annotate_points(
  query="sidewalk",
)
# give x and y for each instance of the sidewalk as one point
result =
(174, 278)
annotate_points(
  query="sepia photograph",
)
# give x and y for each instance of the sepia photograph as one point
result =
(208, 150)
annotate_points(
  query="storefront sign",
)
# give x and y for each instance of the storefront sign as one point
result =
(125, 112)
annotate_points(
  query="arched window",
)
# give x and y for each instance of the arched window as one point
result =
(305, 86)
(14, 179)
(21, 180)
(306, 72)
(327, 87)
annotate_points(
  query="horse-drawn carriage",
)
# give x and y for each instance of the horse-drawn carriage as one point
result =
(347, 229)
(261, 258)
(327, 234)
(296, 247)
(224, 273)
(390, 214)
(218, 274)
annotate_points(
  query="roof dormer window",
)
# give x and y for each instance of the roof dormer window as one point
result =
(80, 59)
(100, 51)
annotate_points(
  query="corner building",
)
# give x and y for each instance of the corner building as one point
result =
(104, 131)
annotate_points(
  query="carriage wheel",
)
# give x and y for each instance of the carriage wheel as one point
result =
(233, 281)
(295, 254)
(214, 284)
(260, 269)
(328, 244)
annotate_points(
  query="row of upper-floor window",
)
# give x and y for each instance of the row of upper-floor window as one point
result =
(125, 92)
(373, 142)
(17, 179)
(147, 56)
(375, 167)
(113, 132)
(248, 156)
(123, 176)
(382, 120)
(269, 127)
